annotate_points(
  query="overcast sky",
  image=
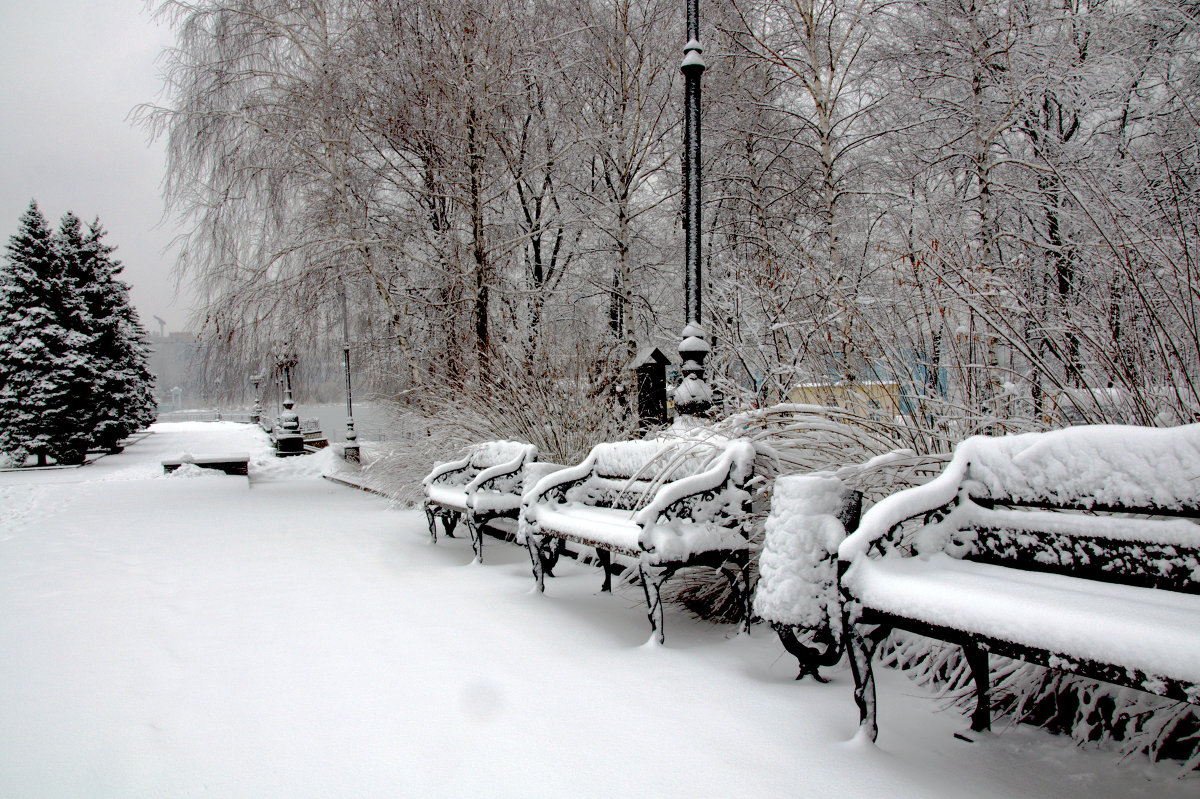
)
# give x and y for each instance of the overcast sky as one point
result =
(70, 73)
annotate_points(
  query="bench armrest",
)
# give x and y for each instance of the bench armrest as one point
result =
(569, 474)
(733, 468)
(910, 503)
(444, 470)
(500, 470)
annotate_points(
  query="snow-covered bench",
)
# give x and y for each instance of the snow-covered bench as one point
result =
(797, 591)
(659, 504)
(481, 488)
(1076, 549)
(236, 463)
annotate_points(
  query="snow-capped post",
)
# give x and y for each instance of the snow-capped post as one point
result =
(350, 452)
(256, 411)
(693, 397)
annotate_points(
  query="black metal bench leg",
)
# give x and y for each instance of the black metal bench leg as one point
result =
(475, 529)
(450, 521)
(737, 573)
(534, 545)
(605, 559)
(432, 519)
(652, 580)
(861, 649)
(977, 659)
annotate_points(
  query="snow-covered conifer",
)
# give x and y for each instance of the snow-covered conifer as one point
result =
(122, 399)
(38, 352)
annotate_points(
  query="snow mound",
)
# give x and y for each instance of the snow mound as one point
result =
(189, 471)
(267, 466)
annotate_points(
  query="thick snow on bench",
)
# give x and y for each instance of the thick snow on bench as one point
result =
(680, 467)
(447, 495)
(1103, 464)
(493, 453)
(1155, 631)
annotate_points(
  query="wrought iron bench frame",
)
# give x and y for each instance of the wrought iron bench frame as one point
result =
(651, 503)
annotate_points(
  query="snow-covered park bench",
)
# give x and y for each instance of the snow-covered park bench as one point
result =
(659, 505)
(1076, 549)
(236, 463)
(480, 488)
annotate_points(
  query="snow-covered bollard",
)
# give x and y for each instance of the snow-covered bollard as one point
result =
(797, 585)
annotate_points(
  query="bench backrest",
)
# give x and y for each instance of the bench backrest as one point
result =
(1111, 503)
(493, 453)
(625, 474)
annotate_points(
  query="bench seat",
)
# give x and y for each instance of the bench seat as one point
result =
(1151, 631)
(448, 496)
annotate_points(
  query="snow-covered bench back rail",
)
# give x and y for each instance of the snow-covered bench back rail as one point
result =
(1077, 549)
(659, 504)
(797, 570)
(481, 488)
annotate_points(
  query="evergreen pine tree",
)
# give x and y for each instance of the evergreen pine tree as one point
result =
(118, 346)
(85, 390)
(39, 354)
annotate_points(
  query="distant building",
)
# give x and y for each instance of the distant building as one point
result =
(871, 398)
(173, 360)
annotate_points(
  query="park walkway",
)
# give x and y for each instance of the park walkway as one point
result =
(283, 636)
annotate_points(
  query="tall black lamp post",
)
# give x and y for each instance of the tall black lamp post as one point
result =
(351, 451)
(693, 397)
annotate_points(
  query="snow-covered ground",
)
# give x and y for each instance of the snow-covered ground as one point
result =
(288, 637)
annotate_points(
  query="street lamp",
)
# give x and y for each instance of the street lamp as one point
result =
(693, 397)
(256, 411)
(286, 433)
(351, 451)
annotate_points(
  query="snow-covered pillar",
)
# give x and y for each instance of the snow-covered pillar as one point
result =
(350, 452)
(693, 397)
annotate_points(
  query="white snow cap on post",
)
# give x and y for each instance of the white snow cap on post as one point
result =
(798, 575)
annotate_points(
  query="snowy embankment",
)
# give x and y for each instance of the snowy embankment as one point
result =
(284, 636)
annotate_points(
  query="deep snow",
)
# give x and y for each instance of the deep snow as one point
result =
(284, 636)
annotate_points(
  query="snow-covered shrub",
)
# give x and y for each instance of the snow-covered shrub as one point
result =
(562, 405)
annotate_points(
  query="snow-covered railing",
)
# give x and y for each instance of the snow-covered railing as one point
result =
(482, 487)
(658, 504)
(1077, 550)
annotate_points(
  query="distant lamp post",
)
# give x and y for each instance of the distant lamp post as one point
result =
(256, 411)
(693, 397)
(286, 433)
(351, 451)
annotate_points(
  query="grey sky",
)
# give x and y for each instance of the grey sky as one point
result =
(70, 73)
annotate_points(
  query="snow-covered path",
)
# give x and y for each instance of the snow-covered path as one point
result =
(288, 637)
